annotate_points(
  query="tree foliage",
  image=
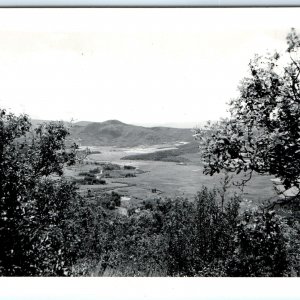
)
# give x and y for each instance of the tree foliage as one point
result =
(204, 239)
(263, 132)
(260, 247)
(38, 230)
(200, 235)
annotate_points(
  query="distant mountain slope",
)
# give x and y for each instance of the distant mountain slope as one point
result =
(36, 122)
(83, 123)
(116, 133)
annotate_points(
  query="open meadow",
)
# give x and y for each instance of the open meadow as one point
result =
(161, 179)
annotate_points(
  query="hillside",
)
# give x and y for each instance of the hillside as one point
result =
(116, 133)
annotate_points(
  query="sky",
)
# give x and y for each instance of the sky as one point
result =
(140, 66)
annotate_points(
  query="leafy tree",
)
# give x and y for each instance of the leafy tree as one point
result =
(263, 132)
(42, 217)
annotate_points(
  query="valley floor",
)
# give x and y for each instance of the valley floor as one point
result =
(159, 179)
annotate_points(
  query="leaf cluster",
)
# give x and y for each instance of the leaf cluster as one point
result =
(263, 132)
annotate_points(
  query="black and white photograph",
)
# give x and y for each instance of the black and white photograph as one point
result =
(150, 142)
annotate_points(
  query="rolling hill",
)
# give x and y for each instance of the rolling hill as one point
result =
(116, 133)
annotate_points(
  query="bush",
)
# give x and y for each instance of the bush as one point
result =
(116, 198)
(199, 235)
(204, 240)
(90, 179)
(130, 175)
(129, 168)
(111, 167)
(110, 201)
(260, 246)
(84, 174)
(133, 248)
(94, 171)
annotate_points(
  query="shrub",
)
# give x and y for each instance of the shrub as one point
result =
(260, 246)
(129, 167)
(111, 167)
(91, 179)
(116, 198)
(199, 235)
(84, 174)
(133, 248)
(130, 175)
(94, 171)
(110, 201)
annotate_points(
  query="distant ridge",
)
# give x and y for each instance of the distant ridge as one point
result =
(188, 125)
(83, 123)
(113, 122)
(117, 133)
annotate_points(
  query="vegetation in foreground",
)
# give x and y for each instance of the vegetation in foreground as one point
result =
(48, 229)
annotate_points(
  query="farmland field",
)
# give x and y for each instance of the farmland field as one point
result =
(158, 179)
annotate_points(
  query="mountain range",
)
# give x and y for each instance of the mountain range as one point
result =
(116, 133)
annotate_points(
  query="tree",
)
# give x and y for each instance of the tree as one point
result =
(41, 221)
(263, 132)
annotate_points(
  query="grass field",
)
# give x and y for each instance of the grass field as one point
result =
(157, 179)
(171, 154)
